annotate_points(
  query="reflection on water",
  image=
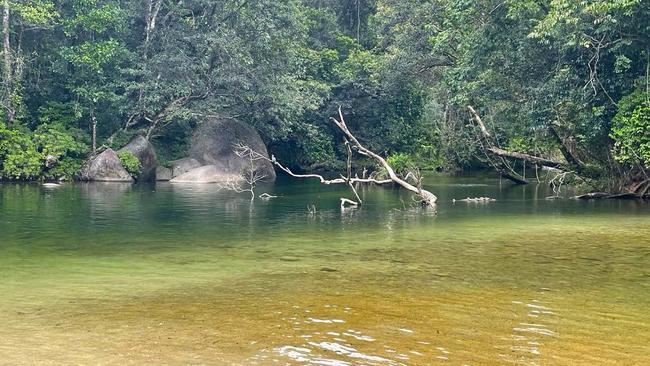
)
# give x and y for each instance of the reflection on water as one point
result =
(188, 274)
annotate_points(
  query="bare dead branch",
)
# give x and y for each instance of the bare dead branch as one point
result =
(428, 198)
(248, 180)
(479, 122)
(257, 156)
(350, 142)
(346, 202)
(266, 196)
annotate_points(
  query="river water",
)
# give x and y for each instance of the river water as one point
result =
(112, 274)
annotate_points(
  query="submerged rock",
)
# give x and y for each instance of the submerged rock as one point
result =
(51, 185)
(213, 144)
(288, 258)
(105, 167)
(144, 151)
(207, 174)
(182, 166)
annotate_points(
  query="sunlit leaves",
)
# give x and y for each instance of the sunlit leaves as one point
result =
(23, 153)
(93, 55)
(631, 129)
(36, 12)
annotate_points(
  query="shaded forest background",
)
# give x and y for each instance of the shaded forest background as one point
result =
(562, 79)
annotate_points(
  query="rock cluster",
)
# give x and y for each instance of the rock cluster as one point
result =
(211, 159)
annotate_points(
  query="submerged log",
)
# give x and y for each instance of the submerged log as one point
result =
(603, 195)
(624, 196)
(591, 196)
(474, 199)
(513, 177)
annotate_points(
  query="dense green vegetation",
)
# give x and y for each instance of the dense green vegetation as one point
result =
(556, 78)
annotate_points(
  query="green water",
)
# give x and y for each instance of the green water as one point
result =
(111, 274)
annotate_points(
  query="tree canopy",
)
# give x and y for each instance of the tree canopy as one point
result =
(561, 79)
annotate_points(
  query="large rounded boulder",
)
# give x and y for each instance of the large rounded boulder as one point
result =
(105, 167)
(144, 151)
(213, 144)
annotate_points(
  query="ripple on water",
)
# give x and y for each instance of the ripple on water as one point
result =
(326, 338)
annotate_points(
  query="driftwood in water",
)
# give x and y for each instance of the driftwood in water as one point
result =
(266, 196)
(499, 164)
(475, 199)
(346, 202)
(250, 177)
(631, 185)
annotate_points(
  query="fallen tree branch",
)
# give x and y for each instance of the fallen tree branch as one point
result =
(525, 157)
(427, 197)
(565, 149)
(479, 122)
(245, 151)
(346, 202)
(502, 166)
(273, 160)
(348, 179)
(351, 142)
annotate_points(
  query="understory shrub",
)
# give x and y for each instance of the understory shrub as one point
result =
(130, 163)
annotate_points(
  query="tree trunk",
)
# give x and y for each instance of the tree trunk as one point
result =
(153, 8)
(564, 148)
(8, 65)
(93, 121)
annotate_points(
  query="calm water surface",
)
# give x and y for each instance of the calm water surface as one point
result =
(111, 274)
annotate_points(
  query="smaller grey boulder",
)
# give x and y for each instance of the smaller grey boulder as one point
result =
(207, 174)
(182, 166)
(105, 167)
(144, 151)
(163, 173)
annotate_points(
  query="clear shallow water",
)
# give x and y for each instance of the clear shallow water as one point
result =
(120, 274)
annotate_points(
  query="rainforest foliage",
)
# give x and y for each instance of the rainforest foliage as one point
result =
(562, 79)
